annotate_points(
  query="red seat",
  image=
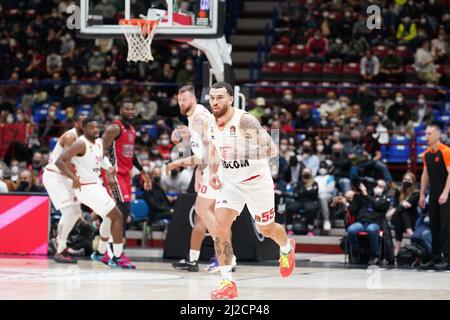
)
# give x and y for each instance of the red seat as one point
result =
(348, 89)
(298, 52)
(351, 72)
(311, 71)
(387, 86)
(428, 91)
(380, 51)
(323, 88)
(263, 91)
(279, 52)
(402, 51)
(285, 85)
(331, 72)
(410, 92)
(291, 70)
(410, 73)
(440, 68)
(271, 70)
(305, 90)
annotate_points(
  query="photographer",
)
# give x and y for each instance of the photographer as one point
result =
(405, 213)
(306, 202)
(369, 213)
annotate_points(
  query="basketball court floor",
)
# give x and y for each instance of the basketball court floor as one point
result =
(317, 276)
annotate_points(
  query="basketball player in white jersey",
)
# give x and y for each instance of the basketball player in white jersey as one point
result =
(243, 149)
(198, 119)
(87, 156)
(61, 193)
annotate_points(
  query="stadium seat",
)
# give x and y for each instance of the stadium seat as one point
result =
(271, 71)
(410, 73)
(410, 91)
(323, 88)
(442, 119)
(403, 52)
(400, 140)
(285, 85)
(279, 52)
(384, 153)
(351, 72)
(52, 143)
(40, 114)
(139, 214)
(311, 71)
(380, 52)
(399, 154)
(264, 92)
(331, 72)
(305, 90)
(298, 52)
(61, 115)
(86, 108)
(348, 89)
(419, 152)
(429, 91)
(291, 71)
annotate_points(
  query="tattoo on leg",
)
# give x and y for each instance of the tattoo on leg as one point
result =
(217, 247)
(228, 252)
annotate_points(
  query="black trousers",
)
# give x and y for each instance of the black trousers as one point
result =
(402, 220)
(125, 208)
(440, 226)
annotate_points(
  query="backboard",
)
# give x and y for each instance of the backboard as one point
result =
(178, 18)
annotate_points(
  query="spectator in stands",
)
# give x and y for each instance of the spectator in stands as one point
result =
(391, 67)
(54, 63)
(424, 64)
(404, 214)
(345, 27)
(358, 46)
(331, 107)
(36, 167)
(3, 185)
(317, 47)
(187, 75)
(422, 234)
(164, 146)
(422, 112)
(407, 32)
(372, 148)
(167, 74)
(26, 183)
(288, 13)
(370, 67)
(258, 110)
(309, 159)
(176, 182)
(287, 102)
(147, 109)
(306, 195)
(399, 113)
(342, 166)
(360, 26)
(97, 62)
(304, 119)
(384, 100)
(321, 152)
(440, 46)
(390, 18)
(50, 126)
(156, 198)
(369, 212)
(293, 171)
(338, 51)
(366, 101)
(326, 184)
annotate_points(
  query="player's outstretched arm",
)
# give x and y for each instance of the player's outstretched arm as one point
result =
(253, 132)
(63, 162)
(111, 133)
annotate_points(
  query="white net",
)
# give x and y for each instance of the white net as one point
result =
(140, 43)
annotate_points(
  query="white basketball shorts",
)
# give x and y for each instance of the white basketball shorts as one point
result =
(95, 196)
(59, 189)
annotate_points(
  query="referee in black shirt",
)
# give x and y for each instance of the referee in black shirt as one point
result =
(436, 161)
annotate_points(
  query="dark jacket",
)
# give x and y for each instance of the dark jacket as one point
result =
(413, 199)
(368, 209)
(157, 200)
(303, 195)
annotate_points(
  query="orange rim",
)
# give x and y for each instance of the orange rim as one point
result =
(145, 25)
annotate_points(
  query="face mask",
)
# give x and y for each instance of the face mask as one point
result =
(377, 191)
(338, 41)
(288, 97)
(267, 112)
(10, 119)
(331, 101)
(283, 148)
(1, 174)
(337, 154)
(399, 99)
(421, 101)
(323, 123)
(306, 176)
(344, 104)
(14, 170)
(348, 14)
(323, 171)
(353, 120)
(37, 164)
(158, 163)
(24, 185)
(423, 21)
(407, 184)
(320, 148)
(291, 140)
(165, 142)
(189, 67)
(307, 150)
(156, 180)
(51, 114)
(173, 173)
(380, 114)
(293, 161)
(274, 173)
(174, 52)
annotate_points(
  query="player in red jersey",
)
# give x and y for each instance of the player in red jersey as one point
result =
(119, 140)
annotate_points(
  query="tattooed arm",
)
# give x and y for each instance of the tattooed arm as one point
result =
(255, 135)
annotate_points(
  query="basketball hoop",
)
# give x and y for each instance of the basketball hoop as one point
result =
(140, 42)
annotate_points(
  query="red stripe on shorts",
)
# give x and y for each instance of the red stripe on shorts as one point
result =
(251, 178)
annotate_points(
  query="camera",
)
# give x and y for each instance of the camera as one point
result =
(367, 181)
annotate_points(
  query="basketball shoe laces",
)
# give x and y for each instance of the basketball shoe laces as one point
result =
(225, 283)
(284, 261)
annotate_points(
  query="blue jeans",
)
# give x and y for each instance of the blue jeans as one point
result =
(345, 185)
(372, 229)
(379, 166)
(422, 235)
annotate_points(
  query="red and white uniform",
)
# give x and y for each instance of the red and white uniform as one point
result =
(206, 191)
(88, 168)
(58, 186)
(244, 181)
(121, 157)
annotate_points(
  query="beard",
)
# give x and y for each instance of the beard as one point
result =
(127, 121)
(219, 113)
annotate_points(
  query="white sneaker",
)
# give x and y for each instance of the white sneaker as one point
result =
(327, 225)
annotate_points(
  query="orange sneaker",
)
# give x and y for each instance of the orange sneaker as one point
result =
(227, 290)
(287, 261)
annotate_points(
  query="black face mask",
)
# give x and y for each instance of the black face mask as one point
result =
(337, 154)
(354, 140)
(407, 184)
(37, 165)
(24, 185)
(293, 162)
(307, 150)
(306, 176)
(156, 180)
(173, 173)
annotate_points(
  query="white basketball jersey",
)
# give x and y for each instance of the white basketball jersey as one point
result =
(57, 151)
(89, 165)
(232, 148)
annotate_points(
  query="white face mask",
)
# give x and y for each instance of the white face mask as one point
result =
(421, 101)
(320, 148)
(331, 101)
(1, 174)
(146, 168)
(283, 148)
(165, 142)
(377, 191)
(14, 170)
(399, 99)
(10, 119)
(323, 171)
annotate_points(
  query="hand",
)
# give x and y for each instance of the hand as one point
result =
(363, 189)
(111, 171)
(215, 182)
(170, 166)
(76, 184)
(406, 204)
(422, 203)
(110, 179)
(443, 198)
(147, 181)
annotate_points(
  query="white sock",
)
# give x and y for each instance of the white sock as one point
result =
(286, 248)
(226, 272)
(118, 249)
(194, 255)
(102, 246)
(71, 215)
(105, 228)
